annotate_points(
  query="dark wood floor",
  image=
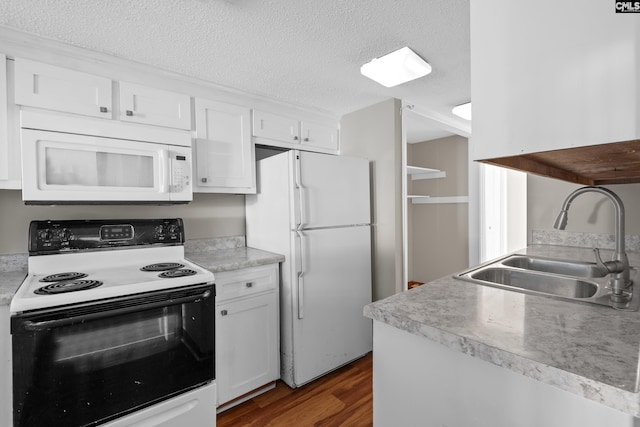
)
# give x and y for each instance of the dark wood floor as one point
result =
(341, 398)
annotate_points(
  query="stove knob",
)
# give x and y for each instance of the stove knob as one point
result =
(44, 234)
(173, 228)
(159, 229)
(64, 234)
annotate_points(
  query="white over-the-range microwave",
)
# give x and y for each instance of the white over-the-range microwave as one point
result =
(71, 160)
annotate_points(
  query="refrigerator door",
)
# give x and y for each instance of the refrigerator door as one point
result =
(330, 190)
(331, 285)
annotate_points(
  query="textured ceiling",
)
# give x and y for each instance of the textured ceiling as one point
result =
(304, 52)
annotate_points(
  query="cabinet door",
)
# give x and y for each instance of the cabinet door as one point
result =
(246, 345)
(4, 135)
(10, 160)
(55, 88)
(320, 136)
(225, 159)
(273, 126)
(147, 105)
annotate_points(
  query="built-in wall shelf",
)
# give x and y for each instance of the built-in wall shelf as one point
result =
(417, 172)
(428, 200)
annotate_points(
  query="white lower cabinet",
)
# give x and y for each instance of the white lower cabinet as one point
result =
(247, 332)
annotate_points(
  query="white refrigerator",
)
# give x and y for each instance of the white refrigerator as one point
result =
(315, 210)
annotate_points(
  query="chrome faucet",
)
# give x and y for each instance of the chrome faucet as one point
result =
(618, 267)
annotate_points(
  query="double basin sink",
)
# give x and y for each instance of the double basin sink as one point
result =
(569, 280)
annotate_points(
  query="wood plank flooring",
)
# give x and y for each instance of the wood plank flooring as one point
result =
(341, 398)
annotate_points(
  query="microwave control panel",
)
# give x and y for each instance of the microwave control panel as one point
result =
(181, 174)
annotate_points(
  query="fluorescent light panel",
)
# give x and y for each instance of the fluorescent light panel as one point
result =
(463, 111)
(395, 68)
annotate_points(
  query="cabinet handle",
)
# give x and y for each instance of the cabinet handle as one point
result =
(103, 110)
(224, 312)
(203, 179)
(129, 113)
(295, 138)
(249, 284)
(306, 139)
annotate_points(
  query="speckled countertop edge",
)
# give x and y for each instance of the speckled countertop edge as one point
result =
(588, 350)
(215, 254)
(13, 270)
(233, 259)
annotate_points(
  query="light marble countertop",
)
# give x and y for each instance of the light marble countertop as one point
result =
(233, 259)
(217, 254)
(586, 349)
(10, 281)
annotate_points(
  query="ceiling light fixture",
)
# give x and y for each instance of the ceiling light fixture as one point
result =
(395, 68)
(463, 111)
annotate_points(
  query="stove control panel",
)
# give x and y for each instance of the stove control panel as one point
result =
(49, 237)
(116, 232)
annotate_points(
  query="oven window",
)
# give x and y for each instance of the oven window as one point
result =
(93, 371)
(66, 166)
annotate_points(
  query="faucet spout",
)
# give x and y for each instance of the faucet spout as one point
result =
(619, 265)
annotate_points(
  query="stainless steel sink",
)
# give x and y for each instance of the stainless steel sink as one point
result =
(566, 287)
(569, 268)
(563, 279)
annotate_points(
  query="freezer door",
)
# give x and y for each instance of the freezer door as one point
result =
(330, 190)
(332, 284)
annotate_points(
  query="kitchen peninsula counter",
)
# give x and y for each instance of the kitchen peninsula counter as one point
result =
(587, 350)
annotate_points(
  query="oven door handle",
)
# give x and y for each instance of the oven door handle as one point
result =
(48, 324)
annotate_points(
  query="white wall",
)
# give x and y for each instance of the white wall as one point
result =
(375, 133)
(591, 213)
(209, 215)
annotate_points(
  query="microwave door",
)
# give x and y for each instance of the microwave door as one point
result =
(68, 167)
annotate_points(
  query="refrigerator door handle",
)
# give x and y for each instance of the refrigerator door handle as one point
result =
(300, 296)
(301, 276)
(300, 187)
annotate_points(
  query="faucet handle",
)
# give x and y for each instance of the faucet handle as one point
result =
(607, 266)
(599, 262)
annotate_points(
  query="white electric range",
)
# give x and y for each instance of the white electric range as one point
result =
(106, 305)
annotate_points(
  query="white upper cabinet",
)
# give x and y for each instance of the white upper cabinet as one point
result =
(61, 89)
(286, 132)
(10, 164)
(550, 75)
(273, 126)
(55, 88)
(224, 152)
(316, 135)
(147, 105)
(4, 135)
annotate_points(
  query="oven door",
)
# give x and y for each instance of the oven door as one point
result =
(65, 167)
(86, 364)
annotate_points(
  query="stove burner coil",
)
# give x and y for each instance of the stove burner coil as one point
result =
(162, 266)
(182, 272)
(67, 286)
(61, 277)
